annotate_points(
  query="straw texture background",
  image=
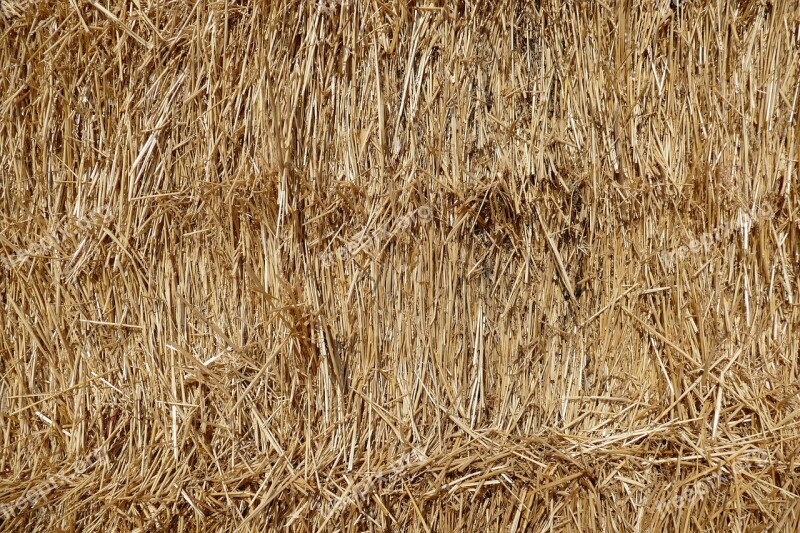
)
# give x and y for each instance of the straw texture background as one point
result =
(374, 266)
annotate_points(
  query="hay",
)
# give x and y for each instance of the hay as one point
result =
(350, 265)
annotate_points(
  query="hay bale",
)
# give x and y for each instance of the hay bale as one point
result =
(349, 265)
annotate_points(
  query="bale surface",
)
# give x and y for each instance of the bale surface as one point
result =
(350, 265)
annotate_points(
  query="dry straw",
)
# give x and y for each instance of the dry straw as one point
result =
(527, 335)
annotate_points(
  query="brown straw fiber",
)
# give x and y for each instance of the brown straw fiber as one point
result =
(367, 265)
